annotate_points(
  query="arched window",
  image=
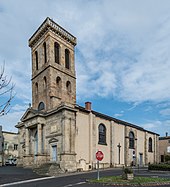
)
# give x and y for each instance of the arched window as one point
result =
(58, 82)
(36, 60)
(45, 83)
(102, 134)
(131, 140)
(57, 52)
(68, 86)
(150, 145)
(67, 58)
(36, 88)
(41, 106)
(45, 52)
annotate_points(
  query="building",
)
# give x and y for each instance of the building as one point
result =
(8, 146)
(57, 130)
(164, 148)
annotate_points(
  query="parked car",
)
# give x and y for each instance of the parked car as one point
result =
(11, 162)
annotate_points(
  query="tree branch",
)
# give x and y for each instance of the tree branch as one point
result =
(6, 92)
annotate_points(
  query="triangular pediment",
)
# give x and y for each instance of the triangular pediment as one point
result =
(52, 140)
(29, 114)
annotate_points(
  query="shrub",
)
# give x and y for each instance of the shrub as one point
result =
(128, 170)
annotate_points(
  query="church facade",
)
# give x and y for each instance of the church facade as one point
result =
(57, 130)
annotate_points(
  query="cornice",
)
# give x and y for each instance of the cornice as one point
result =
(67, 72)
(50, 25)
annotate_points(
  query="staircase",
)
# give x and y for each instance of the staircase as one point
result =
(48, 169)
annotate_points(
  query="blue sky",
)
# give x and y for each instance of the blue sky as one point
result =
(122, 56)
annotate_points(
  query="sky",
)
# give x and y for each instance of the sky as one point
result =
(122, 56)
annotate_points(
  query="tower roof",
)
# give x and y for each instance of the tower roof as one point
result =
(47, 25)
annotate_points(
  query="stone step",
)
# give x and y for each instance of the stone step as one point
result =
(49, 169)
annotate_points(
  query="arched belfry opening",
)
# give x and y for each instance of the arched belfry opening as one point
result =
(67, 58)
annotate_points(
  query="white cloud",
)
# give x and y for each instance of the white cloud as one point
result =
(18, 107)
(119, 114)
(148, 78)
(158, 126)
(9, 121)
(165, 112)
(150, 126)
(163, 105)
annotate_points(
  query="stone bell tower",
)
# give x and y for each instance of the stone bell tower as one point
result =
(53, 67)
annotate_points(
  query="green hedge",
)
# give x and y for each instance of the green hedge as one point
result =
(160, 167)
(167, 158)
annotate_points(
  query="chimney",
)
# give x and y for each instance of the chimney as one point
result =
(166, 134)
(88, 106)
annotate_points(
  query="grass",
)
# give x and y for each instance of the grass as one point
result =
(135, 181)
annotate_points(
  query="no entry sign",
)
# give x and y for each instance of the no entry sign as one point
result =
(99, 155)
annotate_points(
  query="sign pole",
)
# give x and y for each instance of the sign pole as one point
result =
(98, 175)
(99, 157)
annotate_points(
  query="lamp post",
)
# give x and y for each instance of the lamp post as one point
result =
(119, 146)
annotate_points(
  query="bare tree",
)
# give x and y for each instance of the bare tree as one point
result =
(6, 92)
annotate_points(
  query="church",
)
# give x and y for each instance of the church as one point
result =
(54, 129)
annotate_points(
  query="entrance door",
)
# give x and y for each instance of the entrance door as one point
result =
(162, 158)
(140, 159)
(54, 153)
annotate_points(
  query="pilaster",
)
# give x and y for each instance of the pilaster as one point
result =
(68, 156)
(39, 131)
(94, 137)
(156, 151)
(135, 148)
(126, 146)
(26, 141)
(67, 135)
(112, 143)
(91, 138)
(146, 148)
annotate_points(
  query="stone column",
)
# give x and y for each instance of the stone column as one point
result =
(27, 141)
(39, 132)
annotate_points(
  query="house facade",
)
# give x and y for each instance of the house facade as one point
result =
(164, 148)
(57, 130)
(8, 146)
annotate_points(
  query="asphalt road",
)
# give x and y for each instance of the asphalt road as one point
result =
(13, 174)
(8, 175)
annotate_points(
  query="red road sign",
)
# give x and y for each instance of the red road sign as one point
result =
(99, 155)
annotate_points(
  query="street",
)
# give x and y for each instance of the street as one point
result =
(19, 177)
